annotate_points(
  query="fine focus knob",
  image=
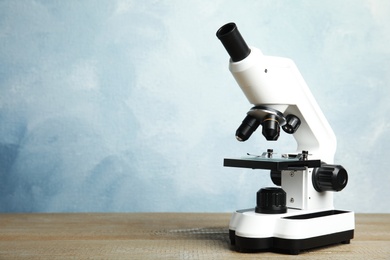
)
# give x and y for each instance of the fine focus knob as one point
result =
(271, 200)
(330, 177)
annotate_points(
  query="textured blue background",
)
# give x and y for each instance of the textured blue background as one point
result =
(129, 105)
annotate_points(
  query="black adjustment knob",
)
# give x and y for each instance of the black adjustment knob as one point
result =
(292, 124)
(271, 200)
(329, 177)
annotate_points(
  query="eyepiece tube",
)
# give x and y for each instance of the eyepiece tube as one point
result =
(233, 42)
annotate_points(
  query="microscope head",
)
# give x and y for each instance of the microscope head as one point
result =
(280, 97)
(270, 119)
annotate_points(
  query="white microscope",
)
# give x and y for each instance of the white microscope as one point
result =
(300, 215)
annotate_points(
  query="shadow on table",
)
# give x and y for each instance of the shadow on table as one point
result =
(220, 235)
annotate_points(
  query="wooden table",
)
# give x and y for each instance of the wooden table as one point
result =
(160, 236)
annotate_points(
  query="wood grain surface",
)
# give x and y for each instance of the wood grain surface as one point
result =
(160, 236)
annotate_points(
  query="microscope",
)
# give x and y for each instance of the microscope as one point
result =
(298, 214)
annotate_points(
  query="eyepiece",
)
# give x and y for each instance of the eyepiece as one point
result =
(233, 42)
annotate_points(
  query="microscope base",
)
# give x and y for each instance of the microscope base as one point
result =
(291, 232)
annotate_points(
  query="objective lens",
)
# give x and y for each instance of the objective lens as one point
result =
(271, 127)
(292, 124)
(247, 127)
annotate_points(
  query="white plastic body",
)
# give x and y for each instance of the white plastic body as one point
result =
(253, 225)
(276, 82)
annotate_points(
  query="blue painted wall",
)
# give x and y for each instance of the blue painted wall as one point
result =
(129, 105)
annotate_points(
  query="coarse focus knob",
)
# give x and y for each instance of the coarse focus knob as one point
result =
(329, 177)
(271, 200)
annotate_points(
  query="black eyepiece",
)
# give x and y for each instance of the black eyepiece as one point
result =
(233, 42)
